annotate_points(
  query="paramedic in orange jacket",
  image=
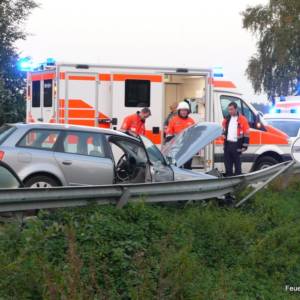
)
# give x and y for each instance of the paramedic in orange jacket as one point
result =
(178, 123)
(236, 139)
(134, 125)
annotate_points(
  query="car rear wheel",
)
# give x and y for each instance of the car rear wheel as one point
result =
(41, 181)
(265, 162)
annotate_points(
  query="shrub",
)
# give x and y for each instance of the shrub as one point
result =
(156, 252)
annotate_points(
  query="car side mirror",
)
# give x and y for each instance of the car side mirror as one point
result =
(258, 123)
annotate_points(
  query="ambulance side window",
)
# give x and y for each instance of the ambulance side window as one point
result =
(36, 93)
(226, 100)
(242, 107)
(48, 92)
(137, 93)
(247, 112)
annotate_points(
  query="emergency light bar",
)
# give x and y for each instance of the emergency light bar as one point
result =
(26, 64)
(274, 110)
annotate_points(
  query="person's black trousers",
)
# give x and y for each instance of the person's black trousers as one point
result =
(232, 158)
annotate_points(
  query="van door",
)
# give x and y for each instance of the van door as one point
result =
(40, 95)
(131, 92)
(35, 114)
(47, 100)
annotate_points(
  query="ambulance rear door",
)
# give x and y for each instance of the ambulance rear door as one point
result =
(41, 97)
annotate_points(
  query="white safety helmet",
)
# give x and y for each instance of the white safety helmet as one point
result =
(183, 105)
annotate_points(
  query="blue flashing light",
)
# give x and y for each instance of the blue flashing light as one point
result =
(272, 110)
(50, 61)
(297, 93)
(275, 110)
(282, 98)
(218, 72)
(25, 64)
(294, 110)
(218, 75)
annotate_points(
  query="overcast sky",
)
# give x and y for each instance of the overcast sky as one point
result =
(186, 33)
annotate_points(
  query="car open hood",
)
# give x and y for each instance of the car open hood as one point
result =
(189, 142)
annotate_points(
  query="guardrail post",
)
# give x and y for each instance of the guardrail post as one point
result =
(124, 198)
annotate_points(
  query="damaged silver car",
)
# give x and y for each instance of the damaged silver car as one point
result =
(45, 155)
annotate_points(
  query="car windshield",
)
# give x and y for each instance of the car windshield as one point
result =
(153, 152)
(5, 132)
(7, 179)
(290, 127)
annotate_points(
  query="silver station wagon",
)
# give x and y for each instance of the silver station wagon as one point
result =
(46, 155)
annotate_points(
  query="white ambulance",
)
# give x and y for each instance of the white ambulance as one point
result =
(289, 104)
(102, 95)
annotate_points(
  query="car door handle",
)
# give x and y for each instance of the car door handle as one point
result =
(67, 162)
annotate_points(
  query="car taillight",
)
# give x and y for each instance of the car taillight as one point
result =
(1, 154)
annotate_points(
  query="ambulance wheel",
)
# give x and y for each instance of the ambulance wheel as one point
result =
(41, 181)
(265, 162)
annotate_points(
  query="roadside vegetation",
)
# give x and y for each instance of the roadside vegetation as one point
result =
(146, 251)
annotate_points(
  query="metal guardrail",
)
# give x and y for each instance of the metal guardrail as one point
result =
(119, 194)
(285, 168)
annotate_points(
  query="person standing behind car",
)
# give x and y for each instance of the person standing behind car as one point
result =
(134, 124)
(172, 113)
(236, 139)
(178, 123)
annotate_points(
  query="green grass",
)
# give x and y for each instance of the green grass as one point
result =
(157, 251)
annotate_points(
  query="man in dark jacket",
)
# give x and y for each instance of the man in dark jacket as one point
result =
(236, 139)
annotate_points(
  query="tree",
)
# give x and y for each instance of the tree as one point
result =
(275, 68)
(13, 13)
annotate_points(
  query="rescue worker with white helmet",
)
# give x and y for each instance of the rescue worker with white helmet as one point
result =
(178, 123)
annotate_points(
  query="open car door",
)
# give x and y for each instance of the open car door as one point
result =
(159, 168)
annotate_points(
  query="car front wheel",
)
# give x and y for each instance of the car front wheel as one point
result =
(41, 181)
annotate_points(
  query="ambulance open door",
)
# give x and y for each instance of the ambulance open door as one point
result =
(131, 93)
